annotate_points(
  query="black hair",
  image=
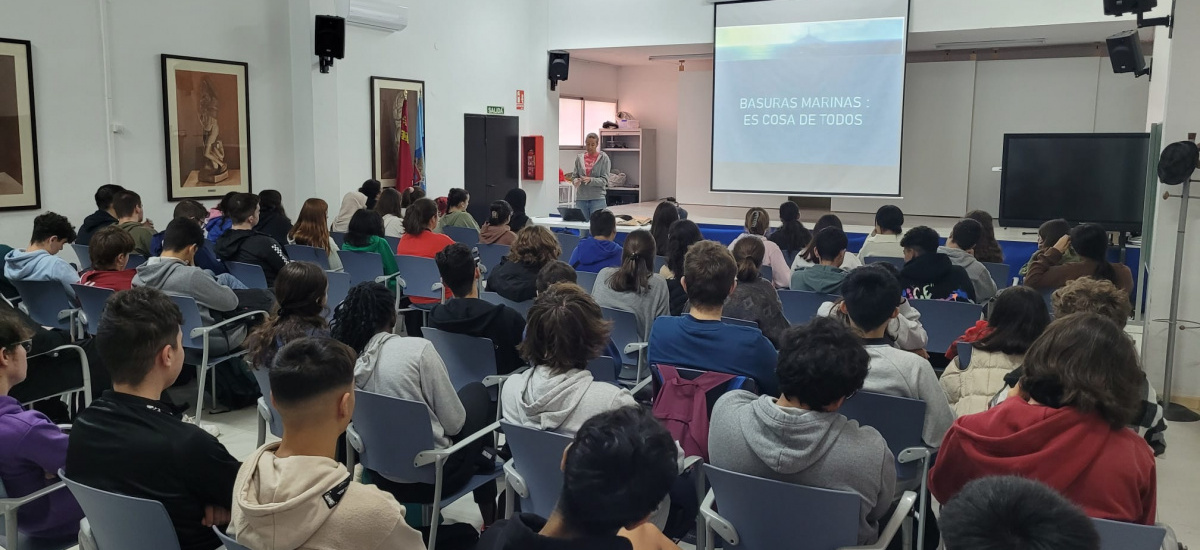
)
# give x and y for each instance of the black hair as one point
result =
(308, 367)
(456, 197)
(241, 207)
(820, 363)
(828, 220)
(52, 225)
(134, 328)
(499, 213)
(555, 272)
(637, 264)
(105, 194)
(1090, 241)
(966, 233)
(830, 242)
(364, 224)
(271, 200)
(125, 203)
(182, 233)
(223, 204)
(1014, 513)
(791, 235)
(300, 290)
(921, 240)
(665, 214)
(418, 215)
(871, 296)
(1018, 318)
(369, 308)
(456, 265)
(603, 223)
(682, 235)
(370, 189)
(889, 217)
(620, 466)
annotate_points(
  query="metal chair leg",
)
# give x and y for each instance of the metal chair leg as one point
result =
(437, 502)
(201, 374)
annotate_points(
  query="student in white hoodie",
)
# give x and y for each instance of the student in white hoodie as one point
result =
(884, 240)
(410, 368)
(293, 494)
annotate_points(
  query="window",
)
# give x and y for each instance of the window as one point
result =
(579, 117)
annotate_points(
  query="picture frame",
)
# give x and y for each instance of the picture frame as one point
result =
(20, 177)
(398, 111)
(206, 123)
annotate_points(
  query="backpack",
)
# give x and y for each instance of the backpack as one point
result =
(682, 406)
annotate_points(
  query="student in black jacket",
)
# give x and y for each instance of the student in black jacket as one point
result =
(929, 274)
(272, 218)
(103, 216)
(241, 243)
(516, 276)
(467, 314)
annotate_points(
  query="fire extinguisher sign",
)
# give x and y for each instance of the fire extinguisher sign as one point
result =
(520, 100)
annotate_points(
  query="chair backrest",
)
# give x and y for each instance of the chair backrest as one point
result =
(229, 543)
(945, 321)
(493, 298)
(491, 254)
(135, 260)
(800, 306)
(739, 322)
(393, 431)
(462, 235)
(899, 420)
(191, 320)
(421, 276)
(468, 358)
(120, 522)
(568, 242)
(624, 332)
(537, 456)
(250, 275)
(964, 354)
(301, 253)
(790, 256)
(83, 253)
(45, 300)
(766, 272)
(659, 262)
(262, 375)
(363, 267)
(393, 242)
(339, 287)
(603, 369)
(898, 262)
(1116, 535)
(586, 280)
(338, 237)
(772, 514)
(1001, 274)
(91, 300)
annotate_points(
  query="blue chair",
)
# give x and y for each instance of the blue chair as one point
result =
(48, 303)
(85, 258)
(586, 280)
(739, 322)
(491, 254)
(91, 301)
(568, 243)
(1001, 274)
(119, 522)
(393, 242)
(898, 262)
(659, 262)
(364, 267)
(229, 543)
(312, 254)
(339, 237)
(420, 277)
(250, 275)
(462, 235)
(790, 256)
(468, 358)
(766, 272)
(602, 369)
(135, 260)
(625, 341)
(268, 417)
(1116, 535)
(800, 306)
(493, 298)
(964, 355)
(10, 507)
(85, 376)
(196, 345)
(535, 471)
(945, 321)
(393, 437)
(760, 514)
(900, 421)
(339, 287)
(1048, 296)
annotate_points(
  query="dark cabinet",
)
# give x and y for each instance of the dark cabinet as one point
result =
(492, 160)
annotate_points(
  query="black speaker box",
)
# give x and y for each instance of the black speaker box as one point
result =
(1125, 51)
(331, 36)
(560, 65)
(1122, 7)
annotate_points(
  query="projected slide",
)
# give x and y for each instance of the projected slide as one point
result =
(808, 97)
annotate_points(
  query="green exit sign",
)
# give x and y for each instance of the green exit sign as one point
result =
(493, 110)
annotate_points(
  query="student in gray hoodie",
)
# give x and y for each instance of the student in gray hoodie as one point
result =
(826, 276)
(799, 437)
(960, 248)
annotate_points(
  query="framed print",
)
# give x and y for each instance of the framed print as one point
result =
(398, 132)
(19, 178)
(206, 116)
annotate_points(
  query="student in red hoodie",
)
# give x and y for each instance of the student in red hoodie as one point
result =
(109, 251)
(1066, 425)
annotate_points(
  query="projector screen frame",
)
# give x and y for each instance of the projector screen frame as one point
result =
(899, 194)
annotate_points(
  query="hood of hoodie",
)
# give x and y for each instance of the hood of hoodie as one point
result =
(489, 234)
(548, 400)
(282, 499)
(231, 241)
(96, 220)
(958, 256)
(927, 268)
(597, 251)
(34, 266)
(464, 315)
(790, 440)
(156, 271)
(368, 360)
(824, 278)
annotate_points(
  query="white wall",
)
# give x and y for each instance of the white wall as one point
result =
(651, 93)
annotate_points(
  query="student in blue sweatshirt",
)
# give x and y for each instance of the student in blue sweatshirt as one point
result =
(51, 233)
(600, 251)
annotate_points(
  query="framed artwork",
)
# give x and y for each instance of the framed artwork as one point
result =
(206, 117)
(19, 178)
(398, 132)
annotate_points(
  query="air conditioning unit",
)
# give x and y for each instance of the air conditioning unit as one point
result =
(383, 15)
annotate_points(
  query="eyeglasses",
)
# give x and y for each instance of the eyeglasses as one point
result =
(27, 344)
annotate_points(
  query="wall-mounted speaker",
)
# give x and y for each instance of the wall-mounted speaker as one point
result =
(1125, 51)
(560, 65)
(330, 40)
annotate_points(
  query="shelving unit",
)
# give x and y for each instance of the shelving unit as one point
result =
(631, 152)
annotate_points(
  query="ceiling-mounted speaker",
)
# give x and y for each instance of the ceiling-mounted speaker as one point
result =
(560, 67)
(1125, 51)
(330, 40)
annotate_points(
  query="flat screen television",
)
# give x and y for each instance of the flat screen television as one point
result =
(1097, 178)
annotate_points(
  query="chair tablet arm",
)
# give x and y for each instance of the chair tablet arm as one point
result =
(201, 331)
(716, 522)
(383, 279)
(913, 454)
(903, 507)
(429, 457)
(515, 481)
(14, 502)
(635, 347)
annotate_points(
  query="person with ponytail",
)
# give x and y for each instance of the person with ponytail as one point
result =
(681, 236)
(792, 235)
(1090, 242)
(754, 298)
(300, 291)
(634, 286)
(496, 230)
(757, 224)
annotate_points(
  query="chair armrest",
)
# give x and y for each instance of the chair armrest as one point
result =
(716, 522)
(64, 428)
(429, 457)
(264, 411)
(913, 454)
(903, 507)
(382, 279)
(495, 379)
(354, 439)
(10, 503)
(640, 385)
(515, 481)
(690, 461)
(201, 331)
(636, 347)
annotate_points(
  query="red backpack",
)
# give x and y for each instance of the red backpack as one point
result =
(682, 406)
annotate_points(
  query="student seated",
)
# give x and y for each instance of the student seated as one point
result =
(218, 219)
(128, 206)
(109, 253)
(555, 272)
(1090, 241)
(698, 339)
(755, 298)
(410, 368)
(365, 234)
(300, 292)
(312, 229)
(680, 237)
(496, 230)
(808, 257)
(600, 250)
(52, 374)
(620, 466)
(872, 299)
(634, 286)
(32, 448)
(826, 275)
(1017, 318)
(565, 331)
(929, 274)
(104, 215)
(272, 217)
(456, 211)
(420, 239)
(665, 214)
(757, 224)
(516, 276)
(206, 256)
(799, 437)
(792, 235)
(128, 442)
(1066, 426)
(51, 233)
(365, 197)
(904, 329)
(516, 198)
(467, 314)
(241, 243)
(884, 240)
(988, 248)
(960, 247)
(1014, 513)
(390, 208)
(1048, 235)
(293, 494)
